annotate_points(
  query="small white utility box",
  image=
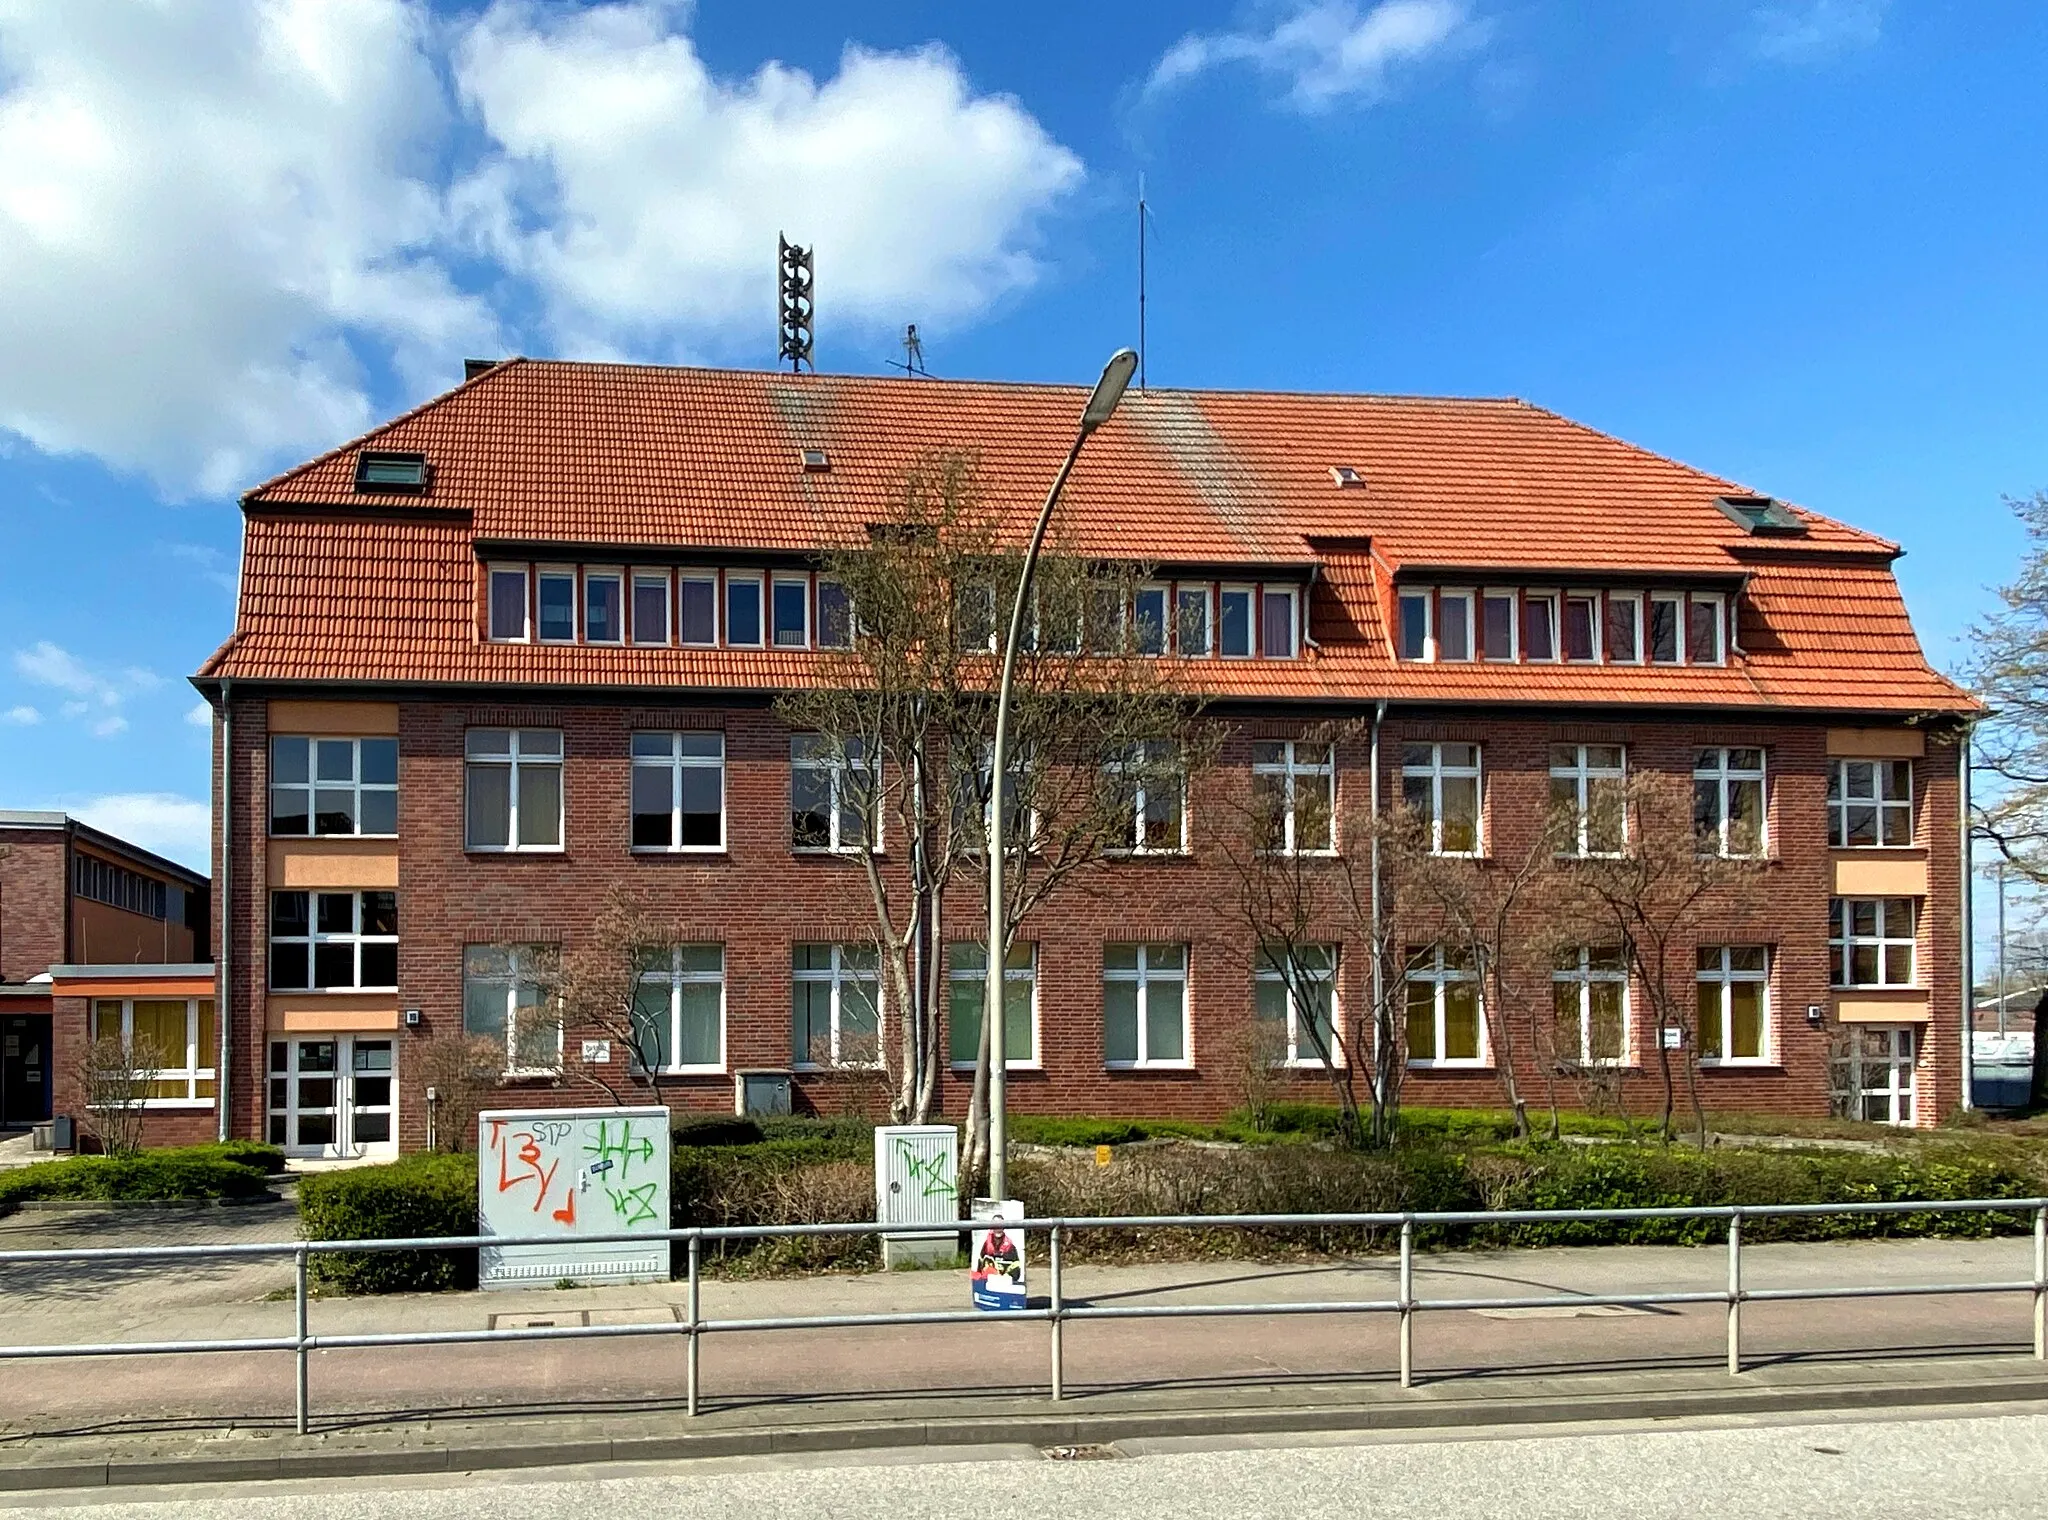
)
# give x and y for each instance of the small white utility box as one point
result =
(568, 1174)
(916, 1171)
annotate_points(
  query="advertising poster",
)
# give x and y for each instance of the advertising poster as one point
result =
(995, 1265)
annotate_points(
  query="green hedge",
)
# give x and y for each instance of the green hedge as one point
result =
(183, 1174)
(417, 1196)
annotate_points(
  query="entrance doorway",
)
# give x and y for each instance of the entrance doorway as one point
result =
(334, 1096)
(24, 1069)
(1870, 1072)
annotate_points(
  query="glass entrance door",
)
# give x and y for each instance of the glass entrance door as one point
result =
(1870, 1072)
(333, 1096)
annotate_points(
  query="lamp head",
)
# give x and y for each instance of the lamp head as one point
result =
(1109, 390)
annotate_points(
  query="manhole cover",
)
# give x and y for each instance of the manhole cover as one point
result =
(1082, 1453)
(558, 1319)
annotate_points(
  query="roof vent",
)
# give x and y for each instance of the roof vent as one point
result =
(1347, 475)
(1765, 516)
(816, 461)
(471, 368)
(405, 474)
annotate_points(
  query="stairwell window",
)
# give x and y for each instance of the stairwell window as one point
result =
(1440, 785)
(333, 941)
(508, 603)
(333, 787)
(1728, 802)
(1444, 1026)
(1417, 633)
(1589, 987)
(833, 792)
(1145, 1005)
(1871, 941)
(1294, 788)
(679, 1010)
(1588, 785)
(967, 993)
(514, 789)
(836, 1001)
(1870, 803)
(678, 789)
(1295, 1001)
(1734, 986)
(604, 610)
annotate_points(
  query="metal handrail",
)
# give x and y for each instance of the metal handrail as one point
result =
(1056, 1312)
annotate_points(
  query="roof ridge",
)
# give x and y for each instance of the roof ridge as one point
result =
(468, 384)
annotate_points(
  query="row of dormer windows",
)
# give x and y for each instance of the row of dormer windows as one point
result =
(1512, 624)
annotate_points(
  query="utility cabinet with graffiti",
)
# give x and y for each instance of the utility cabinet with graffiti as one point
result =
(572, 1174)
(916, 1168)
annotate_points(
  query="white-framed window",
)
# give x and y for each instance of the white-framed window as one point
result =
(1728, 802)
(1666, 642)
(333, 941)
(1148, 620)
(1151, 790)
(333, 786)
(1440, 784)
(1103, 618)
(1871, 1072)
(1500, 626)
(1735, 996)
(1871, 941)
(1582, 626)
(1294, 790)
(678, 790)
(1454, 632)
(507, 604)
(173, 1036)
(557, 600)
(743, 613)
(1279, 622)
(1416, 636)
(1589, 986)
(1706, 631)
(697, 610)
(1539, 625)
(1870, 803)
(1295, 997)
(508, 997)
(650, 606)
(604, 606)
(790, 611)
(1625, 627)
(835, 614)
(1444, 1026)
(832, 795)
(1234, 622)
(1145, 1005)
(513, 783)
(836, 1002)
(679, 1010)
(1590, 782)
(1192, 620)
(967, 994)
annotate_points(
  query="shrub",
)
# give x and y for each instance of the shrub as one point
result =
(715, 1129)
(847, 1134)
(420, 1195)
(185, 1174)
(1043, 1129)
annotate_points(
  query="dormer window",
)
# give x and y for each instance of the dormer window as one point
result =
(404, 474)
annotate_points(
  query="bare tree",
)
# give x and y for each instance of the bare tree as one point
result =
(2008, 668)
(603, 986)
(463, 1072)
(1682, 865)
(115, 1077)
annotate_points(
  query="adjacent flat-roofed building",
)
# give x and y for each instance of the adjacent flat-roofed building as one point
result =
(462, 639)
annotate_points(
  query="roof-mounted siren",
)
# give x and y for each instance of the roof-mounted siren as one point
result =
(797, 310)
(1764, 516)
(1349, 477)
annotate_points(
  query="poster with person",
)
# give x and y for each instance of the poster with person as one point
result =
(995, 1264)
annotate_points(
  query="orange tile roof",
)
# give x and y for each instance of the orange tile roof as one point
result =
(341, 586)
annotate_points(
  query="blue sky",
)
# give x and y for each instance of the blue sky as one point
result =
(1798, 242)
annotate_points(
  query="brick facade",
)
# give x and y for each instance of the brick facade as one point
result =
(34, 900)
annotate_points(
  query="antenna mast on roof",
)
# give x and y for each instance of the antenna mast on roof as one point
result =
(1141, 280)
(912, 362)
(797, 307)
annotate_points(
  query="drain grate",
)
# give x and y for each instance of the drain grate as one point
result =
(1080, 1453)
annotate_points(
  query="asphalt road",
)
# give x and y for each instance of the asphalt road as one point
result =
(1983, 1466)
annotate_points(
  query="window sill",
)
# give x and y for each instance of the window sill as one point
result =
(690, 1071)
(1452, 1065)
(1904, 990)
(328, 837)
(823, 852)
(522, 849)
(845, 1069)
(677, 849)
(1739, 1063)
(149, 1105)
(962, 1068)
(334, 991)
(1141, 1067)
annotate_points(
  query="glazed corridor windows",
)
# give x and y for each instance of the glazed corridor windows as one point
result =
(169, 1040)
(679, 791)
(333, 786)
(1581, 627)
(333, 941)
(1870, 803)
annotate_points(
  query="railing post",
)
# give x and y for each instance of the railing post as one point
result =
(299, 1332)
(696, 1243)
(1735, 1294)
(2041, 1282)
(1059, 1380)
(1407, 1303)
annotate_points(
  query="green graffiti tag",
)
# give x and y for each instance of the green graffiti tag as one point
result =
(927, 1172)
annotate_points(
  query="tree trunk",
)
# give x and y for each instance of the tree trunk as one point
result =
(1664, 1069)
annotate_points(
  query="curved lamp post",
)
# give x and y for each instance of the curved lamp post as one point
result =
(1109, 390)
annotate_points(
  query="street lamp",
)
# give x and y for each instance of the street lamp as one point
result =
(1109, 390)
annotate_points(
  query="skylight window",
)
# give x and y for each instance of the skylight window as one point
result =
(407, 474)
(816, 460)
(1347, 475)
(1762, 515)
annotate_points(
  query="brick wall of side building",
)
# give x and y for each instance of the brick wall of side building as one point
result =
(32, 902)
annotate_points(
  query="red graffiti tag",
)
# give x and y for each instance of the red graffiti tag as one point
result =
(529, 1155)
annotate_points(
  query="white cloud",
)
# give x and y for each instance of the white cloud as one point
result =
(642, 196)
(1328, 50)
(93, 692)
(24, 715)
(1812, 31)
(200, 715)
(162, 821)
(222, 225)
